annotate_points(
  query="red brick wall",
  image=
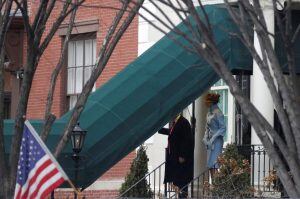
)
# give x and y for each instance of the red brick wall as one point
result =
(120, 169)
(90, 194)
(125, 52)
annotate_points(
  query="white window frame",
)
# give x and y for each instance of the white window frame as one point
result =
(230, 113)
(73, 91)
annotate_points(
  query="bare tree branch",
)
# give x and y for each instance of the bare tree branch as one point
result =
(2, 3)
(285, 33)
(3, 163)
(39, 15)
(263, 65)
(170, 36)
(34, 52)
(64, 13)
(5, 21)
(24, 10)
(291, 107)
(296, 34)
(50, 118)
(186, 21)
(103, 57)
(163, 13)
(264, 130)
(192, 41)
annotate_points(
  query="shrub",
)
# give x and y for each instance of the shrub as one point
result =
(138, 169)
(233, 176)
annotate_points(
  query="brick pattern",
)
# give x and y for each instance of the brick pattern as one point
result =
(120, 169)
(125, 52)
(90, 194)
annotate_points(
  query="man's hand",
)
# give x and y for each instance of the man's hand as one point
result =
(181, 160)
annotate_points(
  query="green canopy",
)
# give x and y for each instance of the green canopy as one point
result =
(143, 97)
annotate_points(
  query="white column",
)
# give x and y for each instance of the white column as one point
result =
(260, 95)
(200, 156)
(259, 92)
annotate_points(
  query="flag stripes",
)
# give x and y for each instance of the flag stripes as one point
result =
(38, 172)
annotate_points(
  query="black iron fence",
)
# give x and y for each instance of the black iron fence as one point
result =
(197, 188)
(263, 174)
(263, 178)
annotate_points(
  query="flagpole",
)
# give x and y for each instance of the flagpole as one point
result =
(73, 186)
(42, 144)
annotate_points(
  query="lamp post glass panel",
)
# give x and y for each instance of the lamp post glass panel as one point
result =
(77, 139)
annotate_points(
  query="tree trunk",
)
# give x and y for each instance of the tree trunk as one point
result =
(3, 166)
(21, 116)
(5, 185)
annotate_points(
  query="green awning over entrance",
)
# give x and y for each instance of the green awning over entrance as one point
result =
(143, 97)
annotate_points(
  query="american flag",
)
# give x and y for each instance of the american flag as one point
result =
(38, 172)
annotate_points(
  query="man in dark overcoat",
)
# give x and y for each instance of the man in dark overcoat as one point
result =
(179, 153)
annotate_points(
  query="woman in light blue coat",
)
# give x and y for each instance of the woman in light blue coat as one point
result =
(215, 130)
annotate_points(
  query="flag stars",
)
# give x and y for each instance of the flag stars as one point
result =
(30, 153)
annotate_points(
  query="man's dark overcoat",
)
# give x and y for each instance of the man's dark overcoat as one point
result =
(180, 144)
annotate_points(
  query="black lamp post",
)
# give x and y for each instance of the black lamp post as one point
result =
(77, 139)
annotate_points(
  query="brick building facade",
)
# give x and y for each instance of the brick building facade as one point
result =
(91, 25)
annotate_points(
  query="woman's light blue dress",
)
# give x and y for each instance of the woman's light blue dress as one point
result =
(213, 138)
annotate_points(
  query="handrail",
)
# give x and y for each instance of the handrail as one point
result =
(202, 174)
(146, 176)
(260, 168)
(260, 165)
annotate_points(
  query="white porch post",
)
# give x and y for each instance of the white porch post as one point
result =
(259, 92)
(260, 95)
(200, 156)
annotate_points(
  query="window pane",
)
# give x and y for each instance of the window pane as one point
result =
(73, 100)
(71, 81)
(223, 102)
(71, 54)
(79, 79)
(94, 51)
(79, 53)
(226, 102)
(87, 73)
(82, 55)
(88, 52)
(226, 122)
(223, 105)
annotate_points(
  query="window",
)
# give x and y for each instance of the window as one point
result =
(81, 59)
(242, 125)
(222, 89)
